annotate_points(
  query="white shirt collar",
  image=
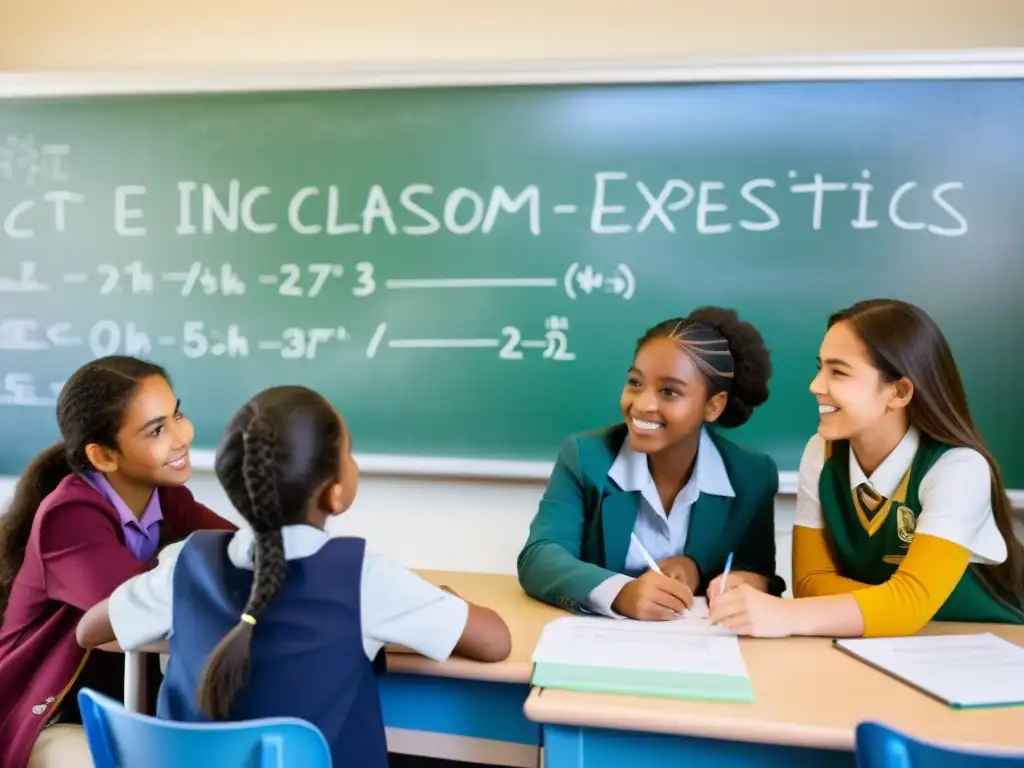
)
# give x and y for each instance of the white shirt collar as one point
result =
(299, 541)
(886, 478)
(631, 473)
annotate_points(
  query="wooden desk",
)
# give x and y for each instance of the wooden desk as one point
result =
(466, 710)
(526, 619)
(809, 698)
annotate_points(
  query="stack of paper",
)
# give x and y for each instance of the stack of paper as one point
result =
(683, 659)
(964, 671)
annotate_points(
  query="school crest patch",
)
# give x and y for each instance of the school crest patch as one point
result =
(906, 524)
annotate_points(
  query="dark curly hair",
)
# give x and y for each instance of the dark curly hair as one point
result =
(729, 352)
(90, 409)
(276, 453)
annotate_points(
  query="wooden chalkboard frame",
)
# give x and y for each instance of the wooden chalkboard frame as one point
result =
(994, 63)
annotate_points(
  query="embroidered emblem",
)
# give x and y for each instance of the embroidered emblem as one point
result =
(906, 524)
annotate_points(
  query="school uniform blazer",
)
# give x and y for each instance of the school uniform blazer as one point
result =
(76, 556)
(580, 534)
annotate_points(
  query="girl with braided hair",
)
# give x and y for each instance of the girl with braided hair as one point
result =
(88, 514)
(280, 619)
(664, 485)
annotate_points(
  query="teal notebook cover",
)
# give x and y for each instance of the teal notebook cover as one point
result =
(644, 682)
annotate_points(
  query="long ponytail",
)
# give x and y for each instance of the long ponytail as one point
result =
(37, 482)
(227, 669)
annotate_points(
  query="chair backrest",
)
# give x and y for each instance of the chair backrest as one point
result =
(121, 739)
(879, 746)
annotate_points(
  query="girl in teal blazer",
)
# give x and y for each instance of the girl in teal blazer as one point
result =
(688, 496)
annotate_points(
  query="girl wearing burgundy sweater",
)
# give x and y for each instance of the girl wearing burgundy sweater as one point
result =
(88, 514)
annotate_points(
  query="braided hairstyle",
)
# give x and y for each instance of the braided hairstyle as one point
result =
(729, 352)
(276, 454)
(90, 409)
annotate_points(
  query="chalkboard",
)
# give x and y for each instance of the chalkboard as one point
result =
(463, 271)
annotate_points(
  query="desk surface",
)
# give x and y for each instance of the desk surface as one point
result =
(525, 618)
(807, 694)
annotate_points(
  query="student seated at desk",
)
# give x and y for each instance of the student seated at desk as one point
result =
(688, 494)
(88, 514)
(282, 619)
(901, 512)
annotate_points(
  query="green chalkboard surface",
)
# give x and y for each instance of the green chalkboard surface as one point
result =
(464, 270)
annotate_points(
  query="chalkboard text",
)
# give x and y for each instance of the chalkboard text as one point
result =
(616, 204)
(197, 340)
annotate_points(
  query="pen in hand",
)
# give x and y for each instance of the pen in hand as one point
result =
(645, 554)
(725, 574)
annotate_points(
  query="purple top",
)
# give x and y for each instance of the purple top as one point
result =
(141, 535)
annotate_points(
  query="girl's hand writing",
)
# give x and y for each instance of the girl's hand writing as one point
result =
(653, 597)
(681, 568)
(748, 611)
(735, 579)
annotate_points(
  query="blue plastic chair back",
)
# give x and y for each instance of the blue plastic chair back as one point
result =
(879, 746)
(121, 739)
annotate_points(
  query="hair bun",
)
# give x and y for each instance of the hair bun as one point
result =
(751, 361)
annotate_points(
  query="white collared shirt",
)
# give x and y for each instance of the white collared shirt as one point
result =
(955, 494)
(396, 605)
(662, 535)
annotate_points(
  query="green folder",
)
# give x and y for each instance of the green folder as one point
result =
(644, 682)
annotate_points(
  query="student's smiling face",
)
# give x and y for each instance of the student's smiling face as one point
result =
(852, 395)
(665, 400)
(153, 441)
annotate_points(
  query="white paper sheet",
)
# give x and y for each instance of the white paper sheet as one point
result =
(963, 670)
(689, 645)
(699, 609)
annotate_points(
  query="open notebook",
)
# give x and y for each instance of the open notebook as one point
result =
(964, 671)
(683, 659)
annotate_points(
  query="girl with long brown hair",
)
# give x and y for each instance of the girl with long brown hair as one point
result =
(902, 516)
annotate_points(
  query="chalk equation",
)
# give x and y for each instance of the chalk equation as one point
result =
(305, 281)
(197, 339)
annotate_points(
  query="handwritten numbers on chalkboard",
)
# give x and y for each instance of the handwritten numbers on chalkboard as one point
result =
(557, 343)
(107, 337)
(294, 281)
(292, 276)
(365, 285)
(509, 351)
(197, 342)
(303, 342)
(139, 280)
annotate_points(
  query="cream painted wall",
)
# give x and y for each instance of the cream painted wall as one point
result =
(126, 34)
(444, 523)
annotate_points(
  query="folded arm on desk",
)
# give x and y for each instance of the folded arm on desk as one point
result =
(902, 605)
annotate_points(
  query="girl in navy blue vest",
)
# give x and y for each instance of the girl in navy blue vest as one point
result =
(282, 619)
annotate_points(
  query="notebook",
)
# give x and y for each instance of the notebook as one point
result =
(964, 671)
(687, 658)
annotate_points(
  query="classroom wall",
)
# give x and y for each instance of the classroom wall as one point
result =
(443, 523)
(127, 34)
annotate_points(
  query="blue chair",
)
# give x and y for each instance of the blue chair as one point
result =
(881, 747)
(121, 739)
